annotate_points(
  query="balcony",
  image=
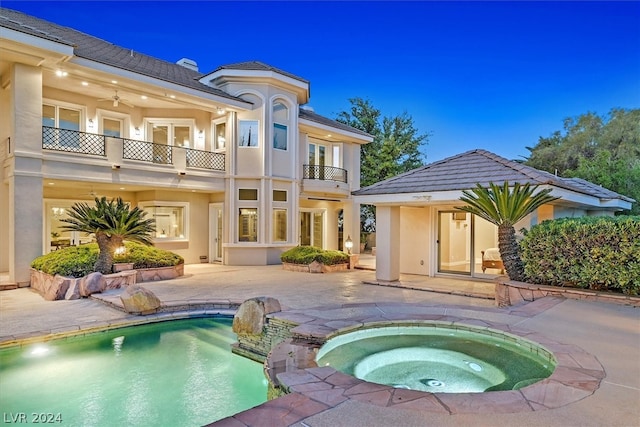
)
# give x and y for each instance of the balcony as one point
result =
(325, 181)
(324, 173)
(117, 149)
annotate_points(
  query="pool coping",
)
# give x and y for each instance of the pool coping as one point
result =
(292, 367)
(171, 310)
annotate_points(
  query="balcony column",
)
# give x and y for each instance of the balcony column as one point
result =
(388, 243)
(25, 192)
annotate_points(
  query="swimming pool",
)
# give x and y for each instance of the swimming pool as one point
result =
(180, 372)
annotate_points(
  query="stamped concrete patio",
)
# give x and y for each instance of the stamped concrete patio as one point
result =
(611, 333)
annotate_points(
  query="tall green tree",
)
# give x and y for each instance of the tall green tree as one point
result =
(604, 150)
(111, 222)
(395, 148)
(504, 207)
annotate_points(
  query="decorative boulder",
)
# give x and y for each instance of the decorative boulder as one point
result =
(315, 267)
(251, 315)
(92, 283)
(139, 300)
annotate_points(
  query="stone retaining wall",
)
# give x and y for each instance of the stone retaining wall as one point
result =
(314, 267)
(257, 347)
(510, 292)
(59, 287)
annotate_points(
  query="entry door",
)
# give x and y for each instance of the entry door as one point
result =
(312, 228)
(215, 234)
(454, 242)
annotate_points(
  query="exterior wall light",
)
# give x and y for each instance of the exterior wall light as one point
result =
(348, 244)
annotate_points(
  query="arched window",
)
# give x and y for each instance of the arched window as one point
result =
(280, 117)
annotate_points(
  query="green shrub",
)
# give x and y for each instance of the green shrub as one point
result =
(78, 261)
(144, 256)
(600, 253)
(307, 254)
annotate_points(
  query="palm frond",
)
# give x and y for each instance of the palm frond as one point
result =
(502, 206)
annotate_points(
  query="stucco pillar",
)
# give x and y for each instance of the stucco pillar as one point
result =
(351, 225)
(388, 243)
(25, 179)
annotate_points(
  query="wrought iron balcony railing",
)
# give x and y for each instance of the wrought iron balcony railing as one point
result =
(205, 159)
(324, 173)
(73, 141)
(89, 143)
(147, 152)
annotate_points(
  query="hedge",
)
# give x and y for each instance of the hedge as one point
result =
(307, 254)
(78, 261)
(600, 253)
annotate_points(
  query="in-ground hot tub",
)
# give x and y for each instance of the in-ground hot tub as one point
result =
(438, 357)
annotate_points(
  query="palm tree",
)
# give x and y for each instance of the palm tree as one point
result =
(504, 208)
(112, 222)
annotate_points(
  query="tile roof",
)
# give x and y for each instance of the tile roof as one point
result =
(258, 66)
(98, 50)
(464, 171)
(317, 118)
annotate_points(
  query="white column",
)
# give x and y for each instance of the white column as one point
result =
(388, 243)
(25, 182)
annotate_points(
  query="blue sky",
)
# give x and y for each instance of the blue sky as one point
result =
(492, 75)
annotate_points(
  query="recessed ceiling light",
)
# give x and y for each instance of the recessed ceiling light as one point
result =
(172, 96)
(85, 84)
(52, 183)
(144, 97)
(122, 188)
(115, 82)
(61, 73)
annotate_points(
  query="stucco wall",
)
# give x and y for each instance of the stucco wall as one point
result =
(416, 239)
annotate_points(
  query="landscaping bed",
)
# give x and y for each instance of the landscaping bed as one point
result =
(310, 259)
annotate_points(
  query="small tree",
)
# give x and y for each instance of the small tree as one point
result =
(505, 208)
(112, 222)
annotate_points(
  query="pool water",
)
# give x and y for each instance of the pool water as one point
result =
(438, 359)
(176, 373)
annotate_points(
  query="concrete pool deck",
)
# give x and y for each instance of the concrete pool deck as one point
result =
(609, 332)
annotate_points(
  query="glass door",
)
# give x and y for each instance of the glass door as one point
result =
(454, 242)
(312, 228)
(215, 235)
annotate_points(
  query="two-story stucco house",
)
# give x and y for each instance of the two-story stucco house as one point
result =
(230, 163)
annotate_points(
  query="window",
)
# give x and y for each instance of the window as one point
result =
(247, 194)
(248, 225)
(279, 196)
(279, 225)
(280, 118)
(219, 135)
(279, 136)
(176, 132)
(56, 116)
(248, 133)
(171, 219)
(112, 127)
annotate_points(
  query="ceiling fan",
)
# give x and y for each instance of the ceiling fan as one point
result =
(116, 100)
